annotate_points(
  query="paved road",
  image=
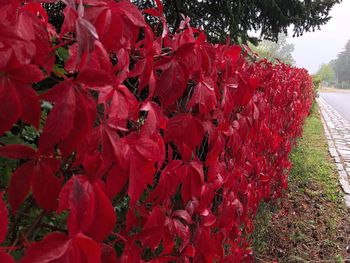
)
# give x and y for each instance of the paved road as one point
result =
(340, 101)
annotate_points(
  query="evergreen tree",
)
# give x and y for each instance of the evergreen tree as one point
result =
(222, 18)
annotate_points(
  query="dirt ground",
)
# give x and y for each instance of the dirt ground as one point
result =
(312, 223)
(308, 228)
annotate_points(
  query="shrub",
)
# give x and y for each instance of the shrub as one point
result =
(132, 144)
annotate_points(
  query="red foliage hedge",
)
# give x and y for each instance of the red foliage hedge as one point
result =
(150, 146)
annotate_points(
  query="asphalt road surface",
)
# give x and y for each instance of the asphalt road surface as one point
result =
(340, 101)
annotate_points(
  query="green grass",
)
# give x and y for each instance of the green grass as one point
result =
(312, 163)
(305, 225)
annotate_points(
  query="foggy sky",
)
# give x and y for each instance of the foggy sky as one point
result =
(314, 48)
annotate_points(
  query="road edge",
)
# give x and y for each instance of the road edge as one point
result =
(334, 152)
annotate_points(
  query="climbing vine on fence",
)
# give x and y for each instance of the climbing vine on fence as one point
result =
(125, 143)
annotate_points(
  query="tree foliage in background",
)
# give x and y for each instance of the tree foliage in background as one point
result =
(341, 67)
(222, 18)
(326, 73)
(275, 51)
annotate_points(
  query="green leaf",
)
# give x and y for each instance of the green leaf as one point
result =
(30, 133)
(10, 138)
(6, 168)
(63, 53)
(58, 71)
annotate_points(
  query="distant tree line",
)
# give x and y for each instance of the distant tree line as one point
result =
(341, 67)
(337, 71)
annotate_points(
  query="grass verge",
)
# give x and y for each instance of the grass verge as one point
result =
(311, 224)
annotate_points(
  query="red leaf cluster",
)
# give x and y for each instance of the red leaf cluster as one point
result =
(156, 147)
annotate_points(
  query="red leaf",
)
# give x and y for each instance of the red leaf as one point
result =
(78, 196)
(168, 182)
(233, 53)
(43, 175)
(155, 12)
(192, 181)
(131, 254)
(144, 70)
(25, 104)
(204, 96)
(141, 173)
(31, 110)
(86, 249)
(155, 119)
(155, 224)
(27, 74)
(171, 83)
(90, 209)
(38, 10)
(184, 129)
(53, 247)
(6, 258)
(160, 6)
(116, 180)
(183, 214)
(94, 77)
(104, 216)
(123, 105)
(139, 157)
(10, 106)
(109, 139)
(35, 173)
(131, 12)
(71, 118)
(152, 12)
(108, 254)
(70, 16)
(59, 122)
(17, 151)
(57, 247)
(207, 196)
(104, 21)
(190, 251)
(20, 183)
(204, 249)
(84, 117)
(86, 37)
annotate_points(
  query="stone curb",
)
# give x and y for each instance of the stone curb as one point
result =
(337, 131)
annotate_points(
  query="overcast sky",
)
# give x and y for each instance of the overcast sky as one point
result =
(314, 48)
